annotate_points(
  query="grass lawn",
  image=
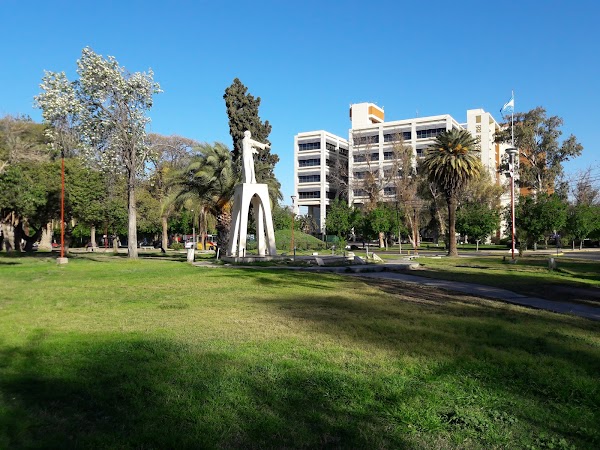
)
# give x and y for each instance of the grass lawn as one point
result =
(110, 353)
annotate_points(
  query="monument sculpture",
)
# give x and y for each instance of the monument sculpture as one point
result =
(251, 193)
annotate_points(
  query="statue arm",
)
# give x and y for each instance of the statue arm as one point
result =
(259, 145)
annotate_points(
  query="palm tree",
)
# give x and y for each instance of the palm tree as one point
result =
(450, 162)
(209, 180)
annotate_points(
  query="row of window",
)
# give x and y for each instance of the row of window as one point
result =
(316, 194)
(304, 146)
(429, 133)
(309, 178)
(309, 162)
(309, 194)
(386, 191)
(366, 140)
(366, 157)
(394, 137)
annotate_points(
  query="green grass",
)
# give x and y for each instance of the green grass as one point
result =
(110, 353)
(572, 280)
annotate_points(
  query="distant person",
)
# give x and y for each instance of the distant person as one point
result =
(1, 239)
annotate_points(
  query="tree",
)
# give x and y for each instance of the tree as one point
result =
(478, 214)
(169, 154)
(406, 188)
(477, 220)
(582, 220)
(539, 217)
(536, 136)
(242, 110)
(282, 217)
(106, 111)
(30, 195)
(341, 219)
(209, 180)
(22, 140)
(450, 162)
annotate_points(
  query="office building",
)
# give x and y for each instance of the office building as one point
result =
(371, 151)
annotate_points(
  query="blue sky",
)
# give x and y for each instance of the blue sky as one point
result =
(309, 60)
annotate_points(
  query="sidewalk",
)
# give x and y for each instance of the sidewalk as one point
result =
(479, 290)
(392, 271)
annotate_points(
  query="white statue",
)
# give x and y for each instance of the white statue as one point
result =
(249, 147)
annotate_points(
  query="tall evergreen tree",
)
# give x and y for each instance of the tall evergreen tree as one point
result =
(242, 110)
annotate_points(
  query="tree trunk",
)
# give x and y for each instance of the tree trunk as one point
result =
(381, 239)
(223, 228)
(93, 236)
(452, 203)
(132, 250)
(18, 236)
(46, 240)
(165, 231)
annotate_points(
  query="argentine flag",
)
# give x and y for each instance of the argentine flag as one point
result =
(509, 106)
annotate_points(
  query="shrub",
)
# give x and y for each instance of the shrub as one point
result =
(176, 246)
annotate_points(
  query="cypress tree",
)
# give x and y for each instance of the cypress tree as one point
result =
(242, 110)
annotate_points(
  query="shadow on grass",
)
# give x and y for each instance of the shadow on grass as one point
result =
(133, 392)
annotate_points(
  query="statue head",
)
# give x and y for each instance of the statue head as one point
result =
(247, 134)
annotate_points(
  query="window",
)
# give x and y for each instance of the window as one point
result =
(360, 175)
(388, 155)
(366, 140)
(343, 151)
(390, 173)
(309, 178)
(309, 162)
(421, 152)
(331, 195)
(309, 194)
(429, 133)
(394, 137)
(359, 193)
(389, 190)
(309, 146)
(330, 147)
(364, 156)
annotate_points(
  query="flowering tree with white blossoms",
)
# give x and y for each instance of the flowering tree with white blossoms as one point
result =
(106, 111)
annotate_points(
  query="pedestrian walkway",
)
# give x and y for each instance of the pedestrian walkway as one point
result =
(479, 290)
(397, 270)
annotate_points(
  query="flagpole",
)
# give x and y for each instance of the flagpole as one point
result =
(512, 152)
(512, 120)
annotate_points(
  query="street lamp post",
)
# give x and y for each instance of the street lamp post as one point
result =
(293, 249)
(193, 230)
(512, 153)
(398, 224)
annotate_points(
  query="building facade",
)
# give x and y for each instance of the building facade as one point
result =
(371, 151)
(320, 159)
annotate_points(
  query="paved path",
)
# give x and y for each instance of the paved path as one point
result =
(504, 295)
(392, 270)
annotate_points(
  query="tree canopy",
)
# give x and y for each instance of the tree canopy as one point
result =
(541, 152)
